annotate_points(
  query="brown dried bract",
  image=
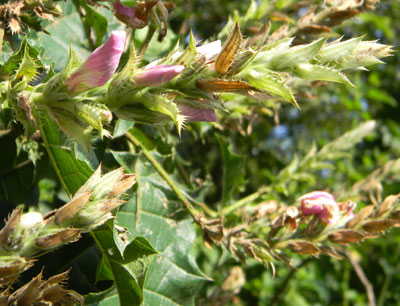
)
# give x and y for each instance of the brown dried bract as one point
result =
(57, 239)
(217, 85)
(9, 228)
(379, 226)
(229, 50)
(360, 216)
(346, 236)
(387, 204)
(70, 209)
(304, 247)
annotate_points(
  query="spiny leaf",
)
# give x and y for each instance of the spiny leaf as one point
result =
(336, 49)
(229, 50)
(272, 85)
(14, 62)
(189, 54)
(321, 73)
(295, 55)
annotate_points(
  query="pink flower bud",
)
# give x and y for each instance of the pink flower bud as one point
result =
(194, 114)
(157, 75)
(322, 204)
(99, 66)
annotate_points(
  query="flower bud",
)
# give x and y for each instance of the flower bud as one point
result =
(99, 66)
(157, 75)
(322, 204)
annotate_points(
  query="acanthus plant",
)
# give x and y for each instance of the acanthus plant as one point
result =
(187, 85)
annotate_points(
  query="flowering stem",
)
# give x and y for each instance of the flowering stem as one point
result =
(244, 201)
(164, 175)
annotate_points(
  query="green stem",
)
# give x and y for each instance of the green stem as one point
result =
(246, 200)
(146, 41)
(164, 175)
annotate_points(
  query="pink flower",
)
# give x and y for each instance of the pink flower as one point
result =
(322, 204)
(99, 66)
(157, 75)
(194, 114)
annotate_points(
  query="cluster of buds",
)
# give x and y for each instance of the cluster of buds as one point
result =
(42, 292)
(319, 225)
(29, 234)
(70, 96)
(184, 86)
(17, 14)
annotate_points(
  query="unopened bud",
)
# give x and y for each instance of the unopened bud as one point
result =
(157, 75)
(99, 66)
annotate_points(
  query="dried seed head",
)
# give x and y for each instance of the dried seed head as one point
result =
(395, 215)
(346, 236)
(304, 247)
(265, 208)
(235, 281)
(379, 226)
(14, 268)
(386, 205)
(360, 216)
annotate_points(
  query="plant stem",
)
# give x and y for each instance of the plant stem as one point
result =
(363, 278)
(276, 299)
(246, 200)
(164, 175)
(146, 41)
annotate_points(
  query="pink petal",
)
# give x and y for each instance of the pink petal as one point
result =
(317, 194)
(99, 66)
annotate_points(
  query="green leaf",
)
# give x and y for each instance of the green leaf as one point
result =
(107, 297)
(272, 85)
(121, 127)
(25, 59)
(72, 173)
(233, 175)
(126, 262)
(66, 32)
(97, 22)
(173, 276)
